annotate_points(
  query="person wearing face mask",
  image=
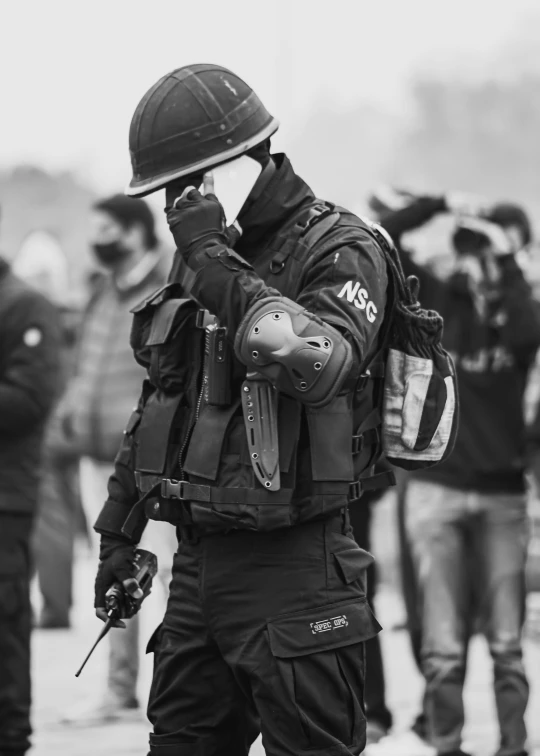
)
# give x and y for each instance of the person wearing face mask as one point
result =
(466, 520)
(99, 400)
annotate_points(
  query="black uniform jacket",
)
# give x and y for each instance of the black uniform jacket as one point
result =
(342, 279)
(30, 338)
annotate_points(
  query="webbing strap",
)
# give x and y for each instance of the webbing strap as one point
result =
(381, 480)
(137, 509)
(181, 490)
(320, 219)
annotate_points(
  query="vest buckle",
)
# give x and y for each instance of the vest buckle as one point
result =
(172, 489)
(356, 490)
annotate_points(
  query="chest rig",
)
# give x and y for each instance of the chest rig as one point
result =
(193, 459)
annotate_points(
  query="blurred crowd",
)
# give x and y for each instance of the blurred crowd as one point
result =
(68, 384)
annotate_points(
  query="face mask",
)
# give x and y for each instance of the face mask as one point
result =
(110, 254)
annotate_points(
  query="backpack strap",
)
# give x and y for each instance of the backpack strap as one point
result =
(305, 232)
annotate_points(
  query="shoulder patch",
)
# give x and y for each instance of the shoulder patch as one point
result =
(32, 337)
(359, 297)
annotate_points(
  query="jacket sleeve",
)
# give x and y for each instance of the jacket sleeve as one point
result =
(521, 324)
(123, 493)
(30, 379)
(346, 289)
(414, 215)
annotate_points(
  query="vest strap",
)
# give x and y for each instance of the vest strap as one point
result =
(133, 518)
(312, 223)
(368, 432)
(181, 490)
(381, 480)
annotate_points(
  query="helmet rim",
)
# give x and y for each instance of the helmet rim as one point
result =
(144, 187)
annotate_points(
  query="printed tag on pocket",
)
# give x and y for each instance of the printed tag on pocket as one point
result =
(333, 623)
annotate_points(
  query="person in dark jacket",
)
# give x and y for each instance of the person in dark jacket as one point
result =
(468, 516)
(42, 263)
(244, 436)
(29, 373)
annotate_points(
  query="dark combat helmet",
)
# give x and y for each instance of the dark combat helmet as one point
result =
(193, 118)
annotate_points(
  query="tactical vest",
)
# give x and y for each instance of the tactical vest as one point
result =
(191, 458)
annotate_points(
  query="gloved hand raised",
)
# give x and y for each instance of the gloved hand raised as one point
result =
(196, 219)
(116, 559)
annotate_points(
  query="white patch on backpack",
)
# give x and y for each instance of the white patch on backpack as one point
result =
(334, 623)
(32, 337)
(359, 297)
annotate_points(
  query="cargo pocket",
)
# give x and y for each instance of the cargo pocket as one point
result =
(320, 657)
(352, 565)
(152, 644)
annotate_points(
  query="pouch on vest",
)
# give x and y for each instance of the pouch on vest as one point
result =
(420, 399)
(123, 456)
(160, 339)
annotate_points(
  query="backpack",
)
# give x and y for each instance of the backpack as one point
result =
(419, 404)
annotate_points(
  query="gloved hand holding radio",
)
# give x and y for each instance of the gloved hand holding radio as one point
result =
(116, 559)
(196, 220)
(198, 225)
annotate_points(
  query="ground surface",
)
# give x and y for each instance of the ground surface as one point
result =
(57, 655)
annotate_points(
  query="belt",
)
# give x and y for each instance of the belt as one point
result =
(181, 490)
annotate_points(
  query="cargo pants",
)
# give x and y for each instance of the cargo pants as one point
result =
(264, 632)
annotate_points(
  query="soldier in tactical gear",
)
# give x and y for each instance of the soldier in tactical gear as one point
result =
(256, 428)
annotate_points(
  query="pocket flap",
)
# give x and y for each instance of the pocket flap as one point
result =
(353, 563)
(321, 629)
(133, 422)
(165, 317)
(154, 638)
(160, 295)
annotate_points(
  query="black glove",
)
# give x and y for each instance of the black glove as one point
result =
(116, 559)
(195, 220)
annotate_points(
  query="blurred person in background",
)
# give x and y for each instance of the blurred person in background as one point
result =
(467, 518)
(400, 213)
(29, 378)
(42, 264)
(101, 398)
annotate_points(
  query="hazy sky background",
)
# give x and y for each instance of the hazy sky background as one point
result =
(72, 72)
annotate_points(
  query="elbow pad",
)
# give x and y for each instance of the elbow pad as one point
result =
(299, 353)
